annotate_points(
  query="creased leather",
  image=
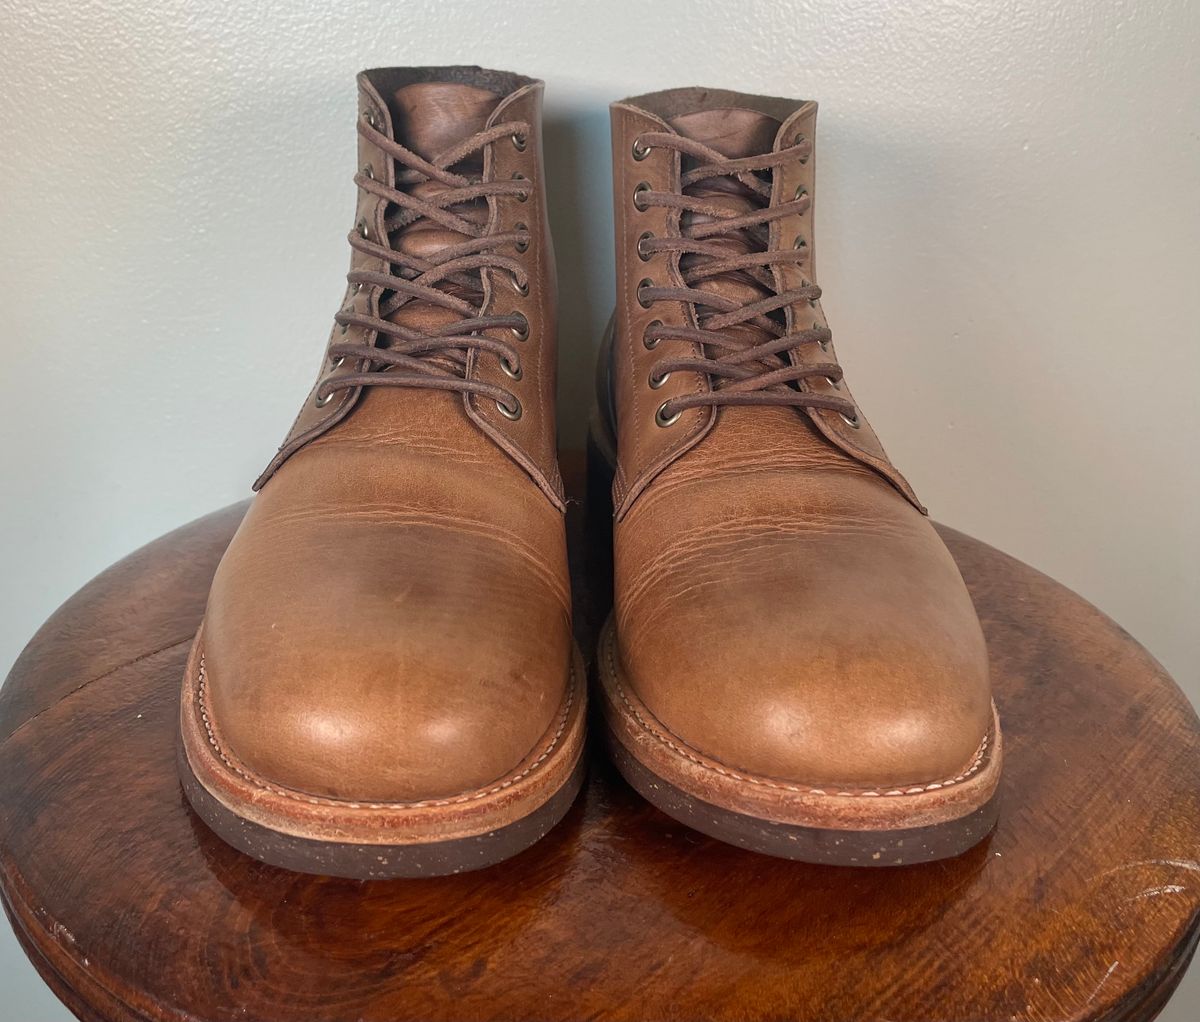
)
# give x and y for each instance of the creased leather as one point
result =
(392, 620)
(527, 441)
(648, 449)
(782, 604)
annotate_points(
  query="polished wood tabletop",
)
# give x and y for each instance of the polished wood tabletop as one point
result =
(1084, 906)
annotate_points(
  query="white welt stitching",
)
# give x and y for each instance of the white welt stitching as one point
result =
(767, 782)
(316, 800)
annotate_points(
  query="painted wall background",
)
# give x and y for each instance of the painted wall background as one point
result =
(1008, 220)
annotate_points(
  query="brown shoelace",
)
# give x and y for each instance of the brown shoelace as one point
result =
(744, 371)
(450, 279)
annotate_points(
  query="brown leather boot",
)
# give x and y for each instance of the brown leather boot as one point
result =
(385, 682)
(793, 664)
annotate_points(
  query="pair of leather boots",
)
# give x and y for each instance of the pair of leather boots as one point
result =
(385, 682)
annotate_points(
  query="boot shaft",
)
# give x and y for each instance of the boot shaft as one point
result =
(450, 243)
(713, 197)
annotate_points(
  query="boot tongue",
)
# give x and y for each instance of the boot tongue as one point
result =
(431, 118)
(734, 132)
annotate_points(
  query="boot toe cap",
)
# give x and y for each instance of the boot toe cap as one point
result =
(855, 664)
(349, 739)
(386, 677)
(828, 717)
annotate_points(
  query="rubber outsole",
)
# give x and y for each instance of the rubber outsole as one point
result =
(937, 824)
(374, 841)
(936, 821)
(383, 861)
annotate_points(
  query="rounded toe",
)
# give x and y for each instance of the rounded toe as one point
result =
(386, 678)
(353, 738)
(861, 673)
(827, 719)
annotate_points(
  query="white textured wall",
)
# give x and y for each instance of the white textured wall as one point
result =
(1008, 215)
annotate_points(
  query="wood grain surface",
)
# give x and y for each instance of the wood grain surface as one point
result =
(1084, 904)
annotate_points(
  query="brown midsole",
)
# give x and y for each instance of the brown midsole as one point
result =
(667, 757)
(380, 861)
(532, 783)
(821, 845)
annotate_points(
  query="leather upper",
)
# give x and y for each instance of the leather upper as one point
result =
(782, 604)
(392, 620)
(646, 448)
(530, 441)
(785, 611)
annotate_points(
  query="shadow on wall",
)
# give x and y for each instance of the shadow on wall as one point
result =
(579, 186)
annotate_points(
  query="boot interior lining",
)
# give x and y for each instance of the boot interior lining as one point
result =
(676, 102)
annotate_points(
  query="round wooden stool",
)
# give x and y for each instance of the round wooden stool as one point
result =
(1084, 904)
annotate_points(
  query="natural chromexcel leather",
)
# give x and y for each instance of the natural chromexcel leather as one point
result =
(782, 604)
(391, 622)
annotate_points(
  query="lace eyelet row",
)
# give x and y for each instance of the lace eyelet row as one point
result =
(511, 368)
(655, 381)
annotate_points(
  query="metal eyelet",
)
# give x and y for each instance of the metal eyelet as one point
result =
(521, 246)
(521, 333)
(642, 186)
(512, 372)
(519, 141)
(835, 384)
(336, 363)
(657, 381)
(640, 152)
(321, 402)
(521, 289)
(854, 422)
(521, 196)
(801, 192)
(513, 413)
(362, 229)
(800, 140)
(371, 119)
(343, 327)
(823, 344)
(650, 343)
(661, 418)
(644, 283)
(799, 243)
(368, 172)
(643, 255)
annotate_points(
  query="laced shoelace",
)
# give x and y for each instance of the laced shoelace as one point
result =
(744, 370)
(435, 358)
